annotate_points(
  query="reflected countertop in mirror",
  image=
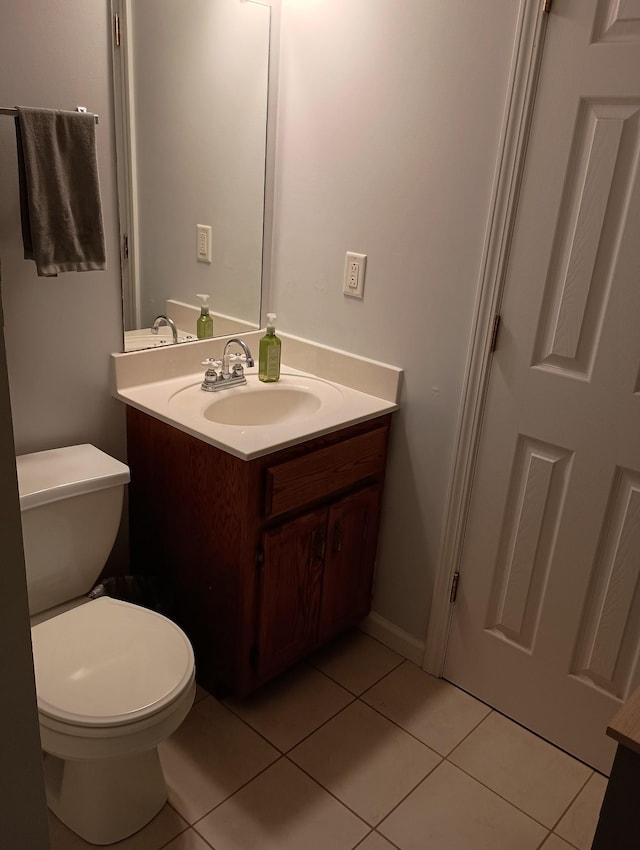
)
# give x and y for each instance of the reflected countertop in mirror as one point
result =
(193, 94)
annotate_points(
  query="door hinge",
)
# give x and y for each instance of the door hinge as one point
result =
(254, 657)
(454, 587)
(116, 29)
(259, 557)
(125, 246)
(494, 333)
(546, 6)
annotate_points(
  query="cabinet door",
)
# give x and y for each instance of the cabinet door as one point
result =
(349, 561)
(290, 591)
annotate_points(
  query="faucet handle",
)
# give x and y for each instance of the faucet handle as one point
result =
(211, 377)
(211, 363)
(236, 358)
(232, 365)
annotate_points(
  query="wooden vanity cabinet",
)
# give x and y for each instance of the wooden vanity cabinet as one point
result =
(267, 558)
(315, 578)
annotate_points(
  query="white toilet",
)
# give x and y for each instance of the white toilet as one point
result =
(113, 679)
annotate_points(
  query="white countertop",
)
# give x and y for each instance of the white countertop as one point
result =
(157, 398)
(357, 389)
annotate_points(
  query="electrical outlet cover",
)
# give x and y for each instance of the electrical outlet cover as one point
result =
(354, 270)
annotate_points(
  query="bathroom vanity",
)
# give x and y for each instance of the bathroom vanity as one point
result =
(268, 558)
(260, 504)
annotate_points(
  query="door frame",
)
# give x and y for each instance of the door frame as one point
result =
(531, 29)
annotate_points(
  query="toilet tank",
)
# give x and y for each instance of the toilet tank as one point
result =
(71, 503)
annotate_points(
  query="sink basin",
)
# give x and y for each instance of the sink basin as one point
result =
(263, 408)
(292, 399)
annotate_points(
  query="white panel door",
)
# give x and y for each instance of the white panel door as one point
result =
(546, 626)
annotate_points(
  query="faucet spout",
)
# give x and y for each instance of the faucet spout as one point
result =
(243, 345)
(165, 320)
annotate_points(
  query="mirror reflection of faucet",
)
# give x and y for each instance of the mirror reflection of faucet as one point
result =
(228, 376)
(165, 320)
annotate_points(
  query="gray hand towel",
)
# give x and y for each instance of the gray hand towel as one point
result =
(60, 205)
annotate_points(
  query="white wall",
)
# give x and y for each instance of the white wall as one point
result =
(389, 120)
(59, 331)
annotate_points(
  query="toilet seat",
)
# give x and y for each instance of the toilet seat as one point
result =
(96, 668)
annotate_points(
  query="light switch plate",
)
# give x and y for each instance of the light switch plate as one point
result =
(203, 243)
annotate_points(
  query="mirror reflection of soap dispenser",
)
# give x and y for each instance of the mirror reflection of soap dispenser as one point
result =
(270, 350)
(204, 325)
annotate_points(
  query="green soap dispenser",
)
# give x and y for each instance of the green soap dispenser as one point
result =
(270, 349)
(204, 325)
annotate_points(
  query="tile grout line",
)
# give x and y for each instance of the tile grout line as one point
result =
(233, 793)
(544, 840)
(374, 831)
(471, 776)
(493, 791)
(540, 738)
(497, 794)
(182, 831)
(385, 676)
(345, 805)
(470, 732)
(285, 751)
(355, 697)
(284, 754)
(201, 837)
(415, 737)
(323, 724)
(281, 753)
(400, 802)
(573, 800)
(362, 840)
(307, 663)
(372, 685)
(249, 726)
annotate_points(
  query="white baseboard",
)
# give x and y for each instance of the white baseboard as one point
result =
(393, 637)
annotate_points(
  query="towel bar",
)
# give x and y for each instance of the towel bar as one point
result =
(4, 110)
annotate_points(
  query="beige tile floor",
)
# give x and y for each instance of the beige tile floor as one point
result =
(359, 748)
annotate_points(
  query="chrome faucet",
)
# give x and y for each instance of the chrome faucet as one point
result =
(225, 354)
(165, 320)
(215, 381)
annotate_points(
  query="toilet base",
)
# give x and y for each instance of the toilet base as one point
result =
(105, 800)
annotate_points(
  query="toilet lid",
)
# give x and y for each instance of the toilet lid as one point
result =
(109, 662)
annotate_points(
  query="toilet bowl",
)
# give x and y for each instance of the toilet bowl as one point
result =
(113, 679)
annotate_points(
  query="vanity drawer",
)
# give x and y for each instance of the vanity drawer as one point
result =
(318, 474)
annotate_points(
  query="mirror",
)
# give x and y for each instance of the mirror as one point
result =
(192, 103)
